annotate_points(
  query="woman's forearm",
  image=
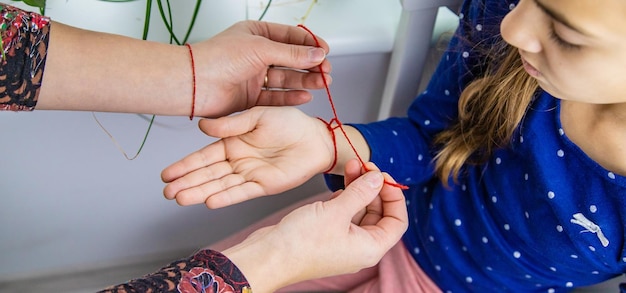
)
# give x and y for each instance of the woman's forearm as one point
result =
(265, 263)
(204, 270)
(93, 71)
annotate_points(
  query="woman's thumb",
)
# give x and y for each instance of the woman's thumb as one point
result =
(232, 125)
(359, 193)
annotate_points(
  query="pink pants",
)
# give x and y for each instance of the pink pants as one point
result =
(396, 272)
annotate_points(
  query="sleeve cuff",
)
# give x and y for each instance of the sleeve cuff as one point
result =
(205, 271)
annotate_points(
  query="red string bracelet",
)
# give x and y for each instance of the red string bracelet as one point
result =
(339, 124)
(332, 134)
(193, 76)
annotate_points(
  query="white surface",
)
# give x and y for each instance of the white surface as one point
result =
(349, 26)
(410, 52)
(127, 18)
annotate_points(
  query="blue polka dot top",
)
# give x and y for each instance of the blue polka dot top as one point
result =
(539, 216)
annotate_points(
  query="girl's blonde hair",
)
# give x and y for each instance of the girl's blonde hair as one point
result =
(490, 110)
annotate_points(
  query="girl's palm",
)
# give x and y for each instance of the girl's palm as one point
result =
(263, 151)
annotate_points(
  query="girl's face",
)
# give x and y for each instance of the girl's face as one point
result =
(576, 49)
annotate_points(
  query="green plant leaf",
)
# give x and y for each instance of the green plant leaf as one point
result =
(34, 3)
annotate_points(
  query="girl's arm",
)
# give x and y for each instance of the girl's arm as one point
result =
(347, 144)
(403, 146)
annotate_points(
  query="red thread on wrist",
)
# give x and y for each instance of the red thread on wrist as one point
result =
(332, 134)
(339, 124)
(193, 76)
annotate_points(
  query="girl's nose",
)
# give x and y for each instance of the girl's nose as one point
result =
(521, 27)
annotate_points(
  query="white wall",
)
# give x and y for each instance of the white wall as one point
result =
(70, 201)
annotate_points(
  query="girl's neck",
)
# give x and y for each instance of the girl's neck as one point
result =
(599, 130)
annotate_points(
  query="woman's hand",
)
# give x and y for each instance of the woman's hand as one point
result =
(263, 151)
(232, 67)
(321, 239)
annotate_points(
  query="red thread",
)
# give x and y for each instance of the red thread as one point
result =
(336, 119)
(332, 133)
(193, 76)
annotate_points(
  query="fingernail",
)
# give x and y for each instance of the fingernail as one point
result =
(374, 179)
(316, 54)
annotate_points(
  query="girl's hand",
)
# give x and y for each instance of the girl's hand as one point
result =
(263, 151)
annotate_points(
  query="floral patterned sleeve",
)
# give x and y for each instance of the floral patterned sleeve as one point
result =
(205, 271)
(24, 47)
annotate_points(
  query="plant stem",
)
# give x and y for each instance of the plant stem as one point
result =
(193, 20)
(171, 20)
(269, 2)
(167, 24)
(146, 23)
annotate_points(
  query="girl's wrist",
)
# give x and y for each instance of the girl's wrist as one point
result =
(345, 150)
(340, 148)
(329, 137)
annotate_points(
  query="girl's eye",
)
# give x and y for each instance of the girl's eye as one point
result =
(562, 43)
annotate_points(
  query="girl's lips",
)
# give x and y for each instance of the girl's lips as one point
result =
(530, 69)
